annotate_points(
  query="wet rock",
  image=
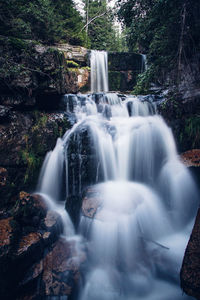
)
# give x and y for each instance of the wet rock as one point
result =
(4, 113)
(24, 142)
(28, 207)
(61, 268)
(5, 232)
(83, 80)
(29, 243)
(77, 53)
(57, 273)
(182, 115)
(124, 61)
(190, 271)
(54, 227)
(25, 239)
(191, 158)
(91, 202)
(46, 75)
(3, 176)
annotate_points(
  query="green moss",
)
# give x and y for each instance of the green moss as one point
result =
(86, 68)
(114, 80)
(143, 82)
(32, 162)
(72, 64)
(74, 70)
(41, 121)
(192, 130)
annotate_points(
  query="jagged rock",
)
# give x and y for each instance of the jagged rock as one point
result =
(76, 53)
(28, 208)
(4, 113)
(5, 232)
(46, 75)
(29, 243)
(61, 268)
(26, 137)
(27, 232)
(191, 158)
(91, 202)
(190, 271)
(54, 227)
(3, 176)
(17, 101)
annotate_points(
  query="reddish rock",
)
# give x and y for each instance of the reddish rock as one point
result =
(25, 238)
(5, 232)
(28, 241)
(3, 176)
(191, 158)
(51, 218)
(91, 202)
(190, 271)
(83, 78)
(61, 268)
(30, 209)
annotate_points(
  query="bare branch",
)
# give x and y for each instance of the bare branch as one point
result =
(94, 18)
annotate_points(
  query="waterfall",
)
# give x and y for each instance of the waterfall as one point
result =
(99, 71)
(140, 200)
(144, 63)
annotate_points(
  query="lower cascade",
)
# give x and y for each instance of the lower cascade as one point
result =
(118, 166)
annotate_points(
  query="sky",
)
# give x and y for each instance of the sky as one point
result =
(80, 6)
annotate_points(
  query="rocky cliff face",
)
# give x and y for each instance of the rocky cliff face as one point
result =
(33, 77)
(35, 261)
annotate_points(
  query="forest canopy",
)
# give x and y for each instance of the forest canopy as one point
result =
(48, 21)
(166, 30)
(52, 21)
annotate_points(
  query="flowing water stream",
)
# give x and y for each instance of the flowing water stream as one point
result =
(144, 197)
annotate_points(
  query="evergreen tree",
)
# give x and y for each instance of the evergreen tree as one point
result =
(46, 20)
(167, 30)
(102, 35)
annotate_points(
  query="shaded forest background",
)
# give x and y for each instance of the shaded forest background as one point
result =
(167, 31)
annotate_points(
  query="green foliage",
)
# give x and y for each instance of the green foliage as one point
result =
(32, 162)
(143, 82)
(114, 80)
(167, 30)
(47, 20)
(40, 121)
(192, 129)
(102, 34)
(33, 147)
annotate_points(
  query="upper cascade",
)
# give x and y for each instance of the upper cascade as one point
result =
(99, 71)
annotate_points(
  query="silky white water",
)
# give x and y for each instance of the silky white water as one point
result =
(99, 71)
(144, 197)
(136, 239)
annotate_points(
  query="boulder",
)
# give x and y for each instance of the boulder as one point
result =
(26, 137)
(91, 202)
(3, 176)
(26, 233)
(191, 158)
(4, 113)
(61, 268)
(5, 233)
(190, 271)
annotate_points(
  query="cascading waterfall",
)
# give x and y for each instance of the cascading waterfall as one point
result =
(144, 197)
(144, 62)
(99, 71)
